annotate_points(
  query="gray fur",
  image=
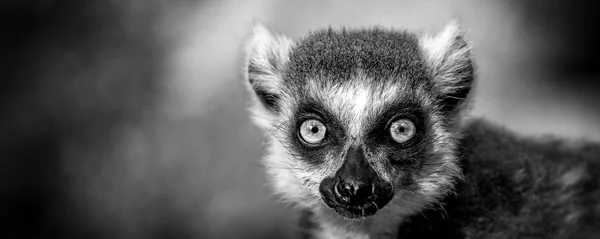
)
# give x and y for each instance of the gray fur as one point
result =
(337, 56)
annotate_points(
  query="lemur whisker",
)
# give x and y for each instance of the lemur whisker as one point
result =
(375, 204)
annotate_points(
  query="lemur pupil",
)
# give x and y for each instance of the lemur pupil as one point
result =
(314, 129)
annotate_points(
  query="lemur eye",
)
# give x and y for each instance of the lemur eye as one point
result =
(402, 130)
(312, 131)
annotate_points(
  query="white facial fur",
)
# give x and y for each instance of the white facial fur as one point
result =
(262, 50)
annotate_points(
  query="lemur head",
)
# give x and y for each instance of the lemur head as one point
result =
(360, 121)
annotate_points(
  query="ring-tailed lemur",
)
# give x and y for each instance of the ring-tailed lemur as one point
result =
(366, 134)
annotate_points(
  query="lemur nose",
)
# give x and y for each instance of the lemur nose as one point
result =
(353, 191)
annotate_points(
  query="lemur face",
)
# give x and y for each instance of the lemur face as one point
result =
(360, 121)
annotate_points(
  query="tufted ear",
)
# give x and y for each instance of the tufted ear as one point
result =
(448, 56)
(267, 56)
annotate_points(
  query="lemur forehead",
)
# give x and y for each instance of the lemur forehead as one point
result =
(339, 55)
(356, 103)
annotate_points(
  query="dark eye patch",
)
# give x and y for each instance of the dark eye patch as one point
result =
(406, 156)
(309, 109)
(378, 131)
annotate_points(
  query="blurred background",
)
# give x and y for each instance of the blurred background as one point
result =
(127, 119)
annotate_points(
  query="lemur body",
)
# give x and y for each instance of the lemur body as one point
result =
(366, 133)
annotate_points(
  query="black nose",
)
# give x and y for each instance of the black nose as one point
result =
(354, 191)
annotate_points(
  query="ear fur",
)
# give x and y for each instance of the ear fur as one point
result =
(267, 56)
(448, 55)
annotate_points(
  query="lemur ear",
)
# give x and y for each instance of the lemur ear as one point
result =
(267, 55)
(448, 55)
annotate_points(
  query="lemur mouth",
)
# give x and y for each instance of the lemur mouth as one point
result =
(356, 207)
(353, 211)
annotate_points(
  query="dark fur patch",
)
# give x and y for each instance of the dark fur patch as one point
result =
(513, 189)
(379, 128)
(335, 134)
(336, 56)
(267, 99)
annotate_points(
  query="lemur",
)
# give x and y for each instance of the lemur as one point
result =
(367, 133)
